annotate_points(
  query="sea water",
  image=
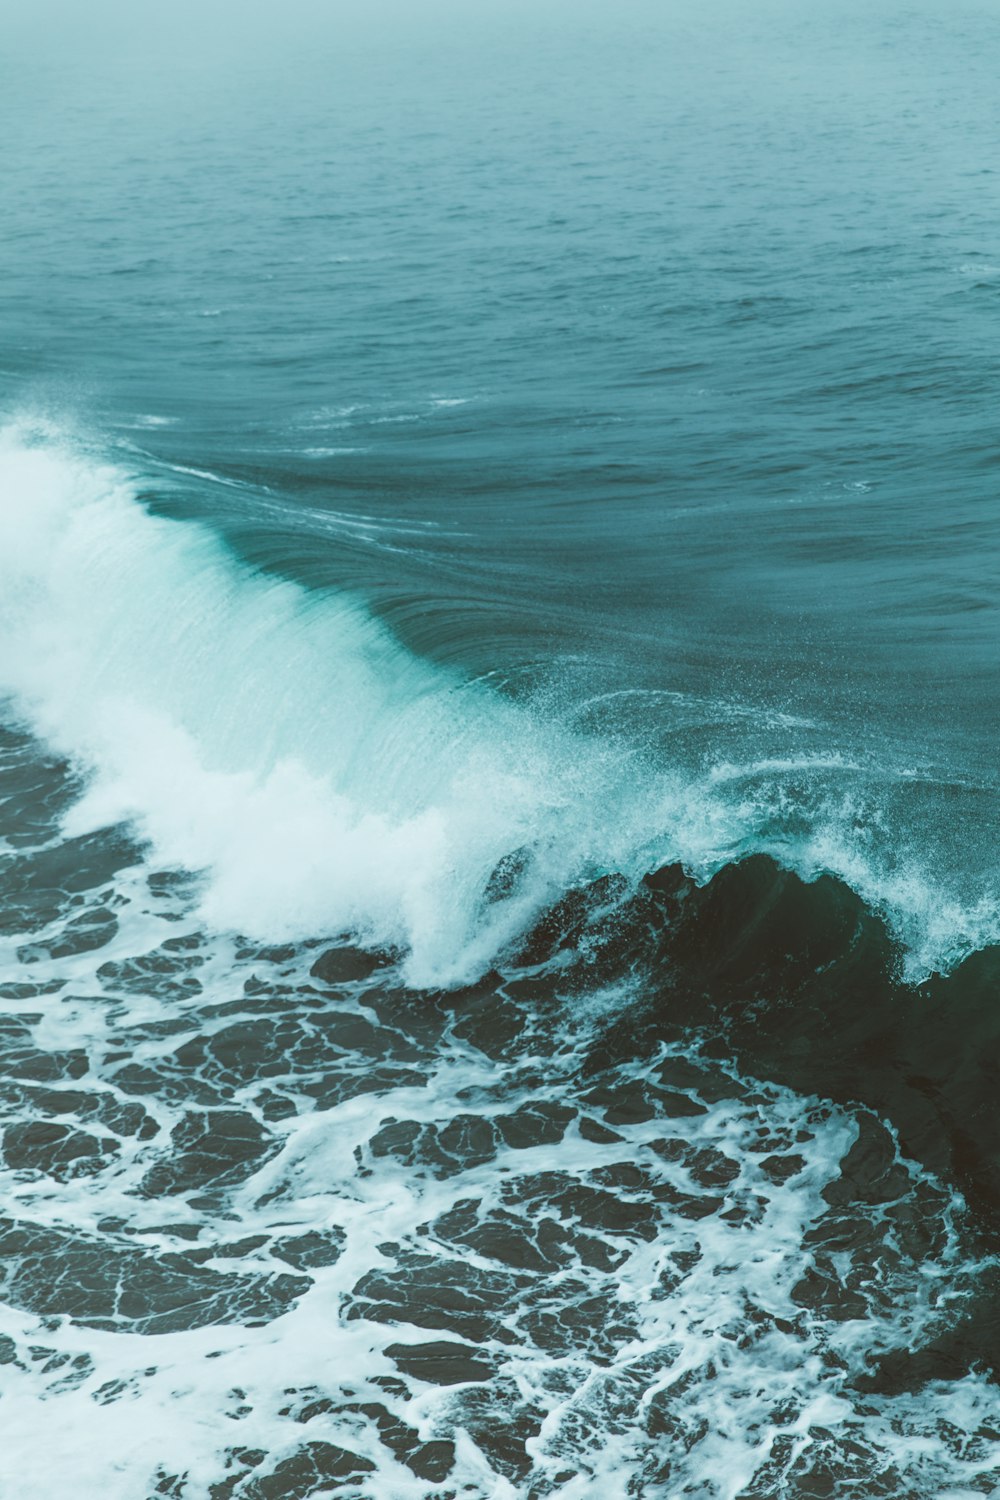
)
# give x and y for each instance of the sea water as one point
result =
(498, 655)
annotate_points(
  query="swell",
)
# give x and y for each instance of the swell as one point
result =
(326, 780)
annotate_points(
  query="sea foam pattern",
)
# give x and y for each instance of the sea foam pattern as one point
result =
(276, 1225)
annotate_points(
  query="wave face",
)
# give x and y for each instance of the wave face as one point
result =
(345, 785)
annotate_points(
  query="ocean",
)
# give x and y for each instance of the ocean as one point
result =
(499, 799)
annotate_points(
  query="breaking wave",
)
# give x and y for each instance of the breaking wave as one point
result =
(345, 785)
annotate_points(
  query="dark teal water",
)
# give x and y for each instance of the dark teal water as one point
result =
(452, 463)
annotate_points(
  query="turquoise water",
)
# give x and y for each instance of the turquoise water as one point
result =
(452, 466)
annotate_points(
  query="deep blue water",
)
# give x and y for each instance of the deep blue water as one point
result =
(455, 464)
